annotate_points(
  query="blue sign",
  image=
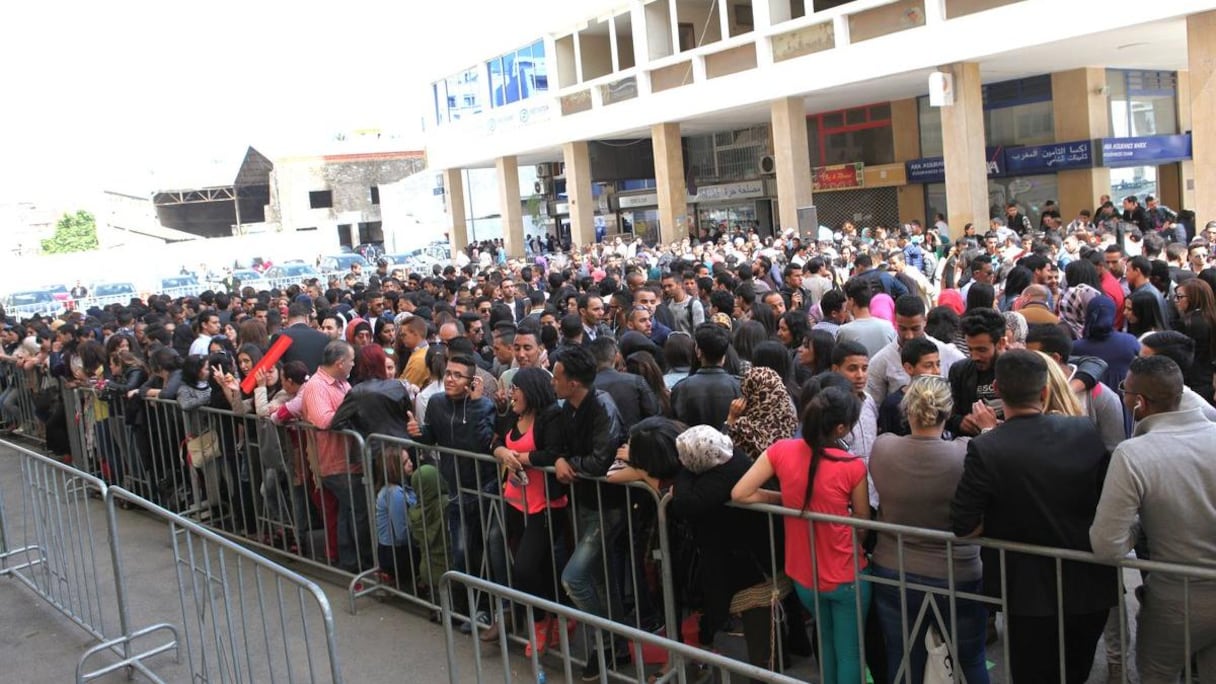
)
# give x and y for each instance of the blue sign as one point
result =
(1147, 150)
(933, 169)
(1032, 159)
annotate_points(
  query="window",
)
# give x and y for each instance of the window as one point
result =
(930, 121)
(321, 199)
(1142, 102)
(517, 75)
(1019, 112)
(459, 95)
(375, 194)
(861, 134)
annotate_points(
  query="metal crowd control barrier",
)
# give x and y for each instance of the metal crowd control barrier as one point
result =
(476, 529)
(242, 617)
(301, 514)
(687, 659)
(19, 388)
(62, 559)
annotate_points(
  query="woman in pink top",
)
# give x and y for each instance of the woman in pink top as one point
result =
(816, 476)
(535, 511)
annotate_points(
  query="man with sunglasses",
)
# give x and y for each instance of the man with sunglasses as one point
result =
(461, 418)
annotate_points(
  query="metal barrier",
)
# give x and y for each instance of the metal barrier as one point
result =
(19, 389)
(242, 617)
(482, 531)
(62, 561)
(602, 633)
(271, 494)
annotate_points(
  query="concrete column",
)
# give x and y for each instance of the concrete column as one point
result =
(905, 130)
(509, 205)
(793, 159)
(1176, 182)
(1201, 66)
(669, 176)
(453, 200)
(963, 149)
(577, 156)
(1080, 114)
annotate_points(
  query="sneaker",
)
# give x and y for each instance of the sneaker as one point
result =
(482, 618)
(540, 638)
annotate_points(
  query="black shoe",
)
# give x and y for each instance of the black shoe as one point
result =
(591, 671)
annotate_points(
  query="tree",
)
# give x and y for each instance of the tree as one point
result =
(74, 233)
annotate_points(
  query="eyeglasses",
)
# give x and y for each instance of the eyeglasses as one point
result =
(453, 375)
(1179, 297)
(1123, 388)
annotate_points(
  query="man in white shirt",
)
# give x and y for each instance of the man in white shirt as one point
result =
(886, 373)
(208, 327)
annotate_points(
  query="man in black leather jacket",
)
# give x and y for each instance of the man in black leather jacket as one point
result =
(704, 397)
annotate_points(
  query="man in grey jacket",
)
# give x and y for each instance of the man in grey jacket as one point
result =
(1163, 480)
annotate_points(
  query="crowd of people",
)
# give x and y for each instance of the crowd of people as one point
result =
(1050, 386)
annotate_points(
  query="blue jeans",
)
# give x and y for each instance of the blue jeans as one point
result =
(355, 542)
(970, 630)
(583, 577)
(840, 620)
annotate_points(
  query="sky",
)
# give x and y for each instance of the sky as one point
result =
(96, 94)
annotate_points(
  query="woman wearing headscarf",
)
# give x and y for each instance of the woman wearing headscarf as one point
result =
(1073, 305)
(1100, 339)
(763, 414)
(739, 574)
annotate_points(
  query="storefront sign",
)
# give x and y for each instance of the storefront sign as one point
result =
(933, 169)
(1032, 159)
(561, 209)
(838, 177)
(1147, 150)
(649, 199)
(728, 191)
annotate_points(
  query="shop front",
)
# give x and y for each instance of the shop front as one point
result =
(1146, 165)
(745, 205)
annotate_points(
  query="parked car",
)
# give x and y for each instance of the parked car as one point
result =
(290, 274)
(180, 286)
(341, 263)
(104, 294)
(30, 302)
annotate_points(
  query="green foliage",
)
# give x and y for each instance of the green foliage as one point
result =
(74, 233)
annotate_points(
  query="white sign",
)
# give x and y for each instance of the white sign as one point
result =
(514, 119)
(561, 208)
(728, 191)
(649, 199)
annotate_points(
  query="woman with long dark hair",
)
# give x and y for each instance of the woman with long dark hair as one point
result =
(1142, 314)
(792, 328)
(536, 502)
(644, 365)
(815, 474)
(814, 356)
(1197, 308)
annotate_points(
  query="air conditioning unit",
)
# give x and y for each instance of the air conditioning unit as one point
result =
(544, 170)
(768, 165)
(543, 186)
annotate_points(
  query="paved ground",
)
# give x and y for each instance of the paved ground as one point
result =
(386, 640)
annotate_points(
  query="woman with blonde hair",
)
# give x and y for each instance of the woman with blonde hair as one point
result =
(1061, 398)
(915, 476)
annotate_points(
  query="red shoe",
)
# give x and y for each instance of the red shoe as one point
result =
(540, 638)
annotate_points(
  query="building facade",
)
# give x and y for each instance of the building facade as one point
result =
(667, 116)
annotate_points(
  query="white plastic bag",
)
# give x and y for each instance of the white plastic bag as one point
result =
(939, 664)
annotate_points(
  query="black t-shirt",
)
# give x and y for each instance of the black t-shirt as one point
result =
(985, 391)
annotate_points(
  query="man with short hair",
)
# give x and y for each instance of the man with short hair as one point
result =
(887, 373)
(971, 380)
(687, 313)
(589, 432)
(341, 475)
(1035, 479)
(414, 332)
(816, 280)
(1139, 279)
(1101, 403)
(208, 324)
(879, 279)
(307, 343)
(648, 298)
(982, 271)
(633, 397)
(775, 301)
(872, 333)
(832, 306)
(918, 356)
(1162, 481)
(1134, 213)
(591, 310)
(1015, 220)
(1035, 308)
(704, 397)
(460, 418)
